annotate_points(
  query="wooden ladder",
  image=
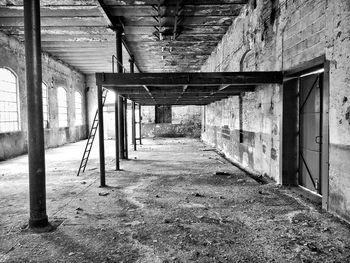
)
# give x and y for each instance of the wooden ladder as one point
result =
(91, 137)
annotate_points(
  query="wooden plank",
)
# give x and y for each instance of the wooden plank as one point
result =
(188, 21)
(51, 2)
(187, 10)
(173, 2)
(56, 21)
(144, 29)
(164, 79)
(53, 11)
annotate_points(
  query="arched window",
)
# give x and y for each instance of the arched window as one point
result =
(9, 113)
(45, 105)
(78, 107)
(62, 107)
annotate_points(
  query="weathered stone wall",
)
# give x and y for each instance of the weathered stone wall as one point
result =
(282, 35)
(186, 122)
(54, 74)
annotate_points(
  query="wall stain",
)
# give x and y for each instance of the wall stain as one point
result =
(347, 115)
(345, 99)
(273, 154)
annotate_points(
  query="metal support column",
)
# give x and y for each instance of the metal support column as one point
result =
(121, 127)
(117, 100)
(126, 128)
(133, 125)
(36, 150)
(140, 123)
(101, 136)
(133, 122)
(120, 111)
(116, 127)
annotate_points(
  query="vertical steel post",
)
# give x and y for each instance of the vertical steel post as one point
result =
(119, 52)
(140, 123)
(36, 150)
(126, 128)
(116, 127)
(121, 127)
(101, 136)
(133, 125)
(117, 100)
(133, 122)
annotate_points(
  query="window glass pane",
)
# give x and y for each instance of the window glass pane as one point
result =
(45, 105)
(9, 115)
(62, 107)
(78, 109)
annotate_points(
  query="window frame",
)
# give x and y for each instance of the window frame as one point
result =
(46, 125)
(60, 107)
(80, 109)
(18, 111)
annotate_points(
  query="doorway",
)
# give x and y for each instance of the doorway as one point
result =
(305, 128)
(310, 138)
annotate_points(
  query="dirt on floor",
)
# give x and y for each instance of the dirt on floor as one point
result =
(175, 200)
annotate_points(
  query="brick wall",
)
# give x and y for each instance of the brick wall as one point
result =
(282, 35)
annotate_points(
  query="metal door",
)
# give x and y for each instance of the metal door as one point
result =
(310, 139)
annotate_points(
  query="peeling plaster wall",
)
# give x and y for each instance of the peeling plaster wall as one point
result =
(281, 35)
(186, 122)
(54, 73)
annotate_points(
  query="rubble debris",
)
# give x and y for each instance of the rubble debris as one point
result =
(103, 193)
(223, 173)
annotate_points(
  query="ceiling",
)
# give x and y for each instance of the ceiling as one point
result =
(163, 36)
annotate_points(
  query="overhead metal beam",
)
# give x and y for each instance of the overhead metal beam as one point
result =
(190, 79)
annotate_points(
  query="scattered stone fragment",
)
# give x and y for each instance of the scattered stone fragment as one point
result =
(157, 196)
(83, 182)
(79, 209)
(71, 254)
(11, 249)
(197, 195)
(103, 194)
(312, 247)
(167, 221)
(222, 173)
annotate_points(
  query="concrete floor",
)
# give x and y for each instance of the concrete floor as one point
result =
(167, 205)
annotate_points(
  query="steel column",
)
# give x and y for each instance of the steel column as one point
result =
(117, 100)
(116, 128)
(126, 128)
(140, 123)
(121, 127)
(133, 125)
(101, 136)
(120, 111)
(133, 122)
(36, 150)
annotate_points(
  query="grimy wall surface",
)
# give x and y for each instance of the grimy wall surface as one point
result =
(282, 35)
(185, 122)
(55, 74)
